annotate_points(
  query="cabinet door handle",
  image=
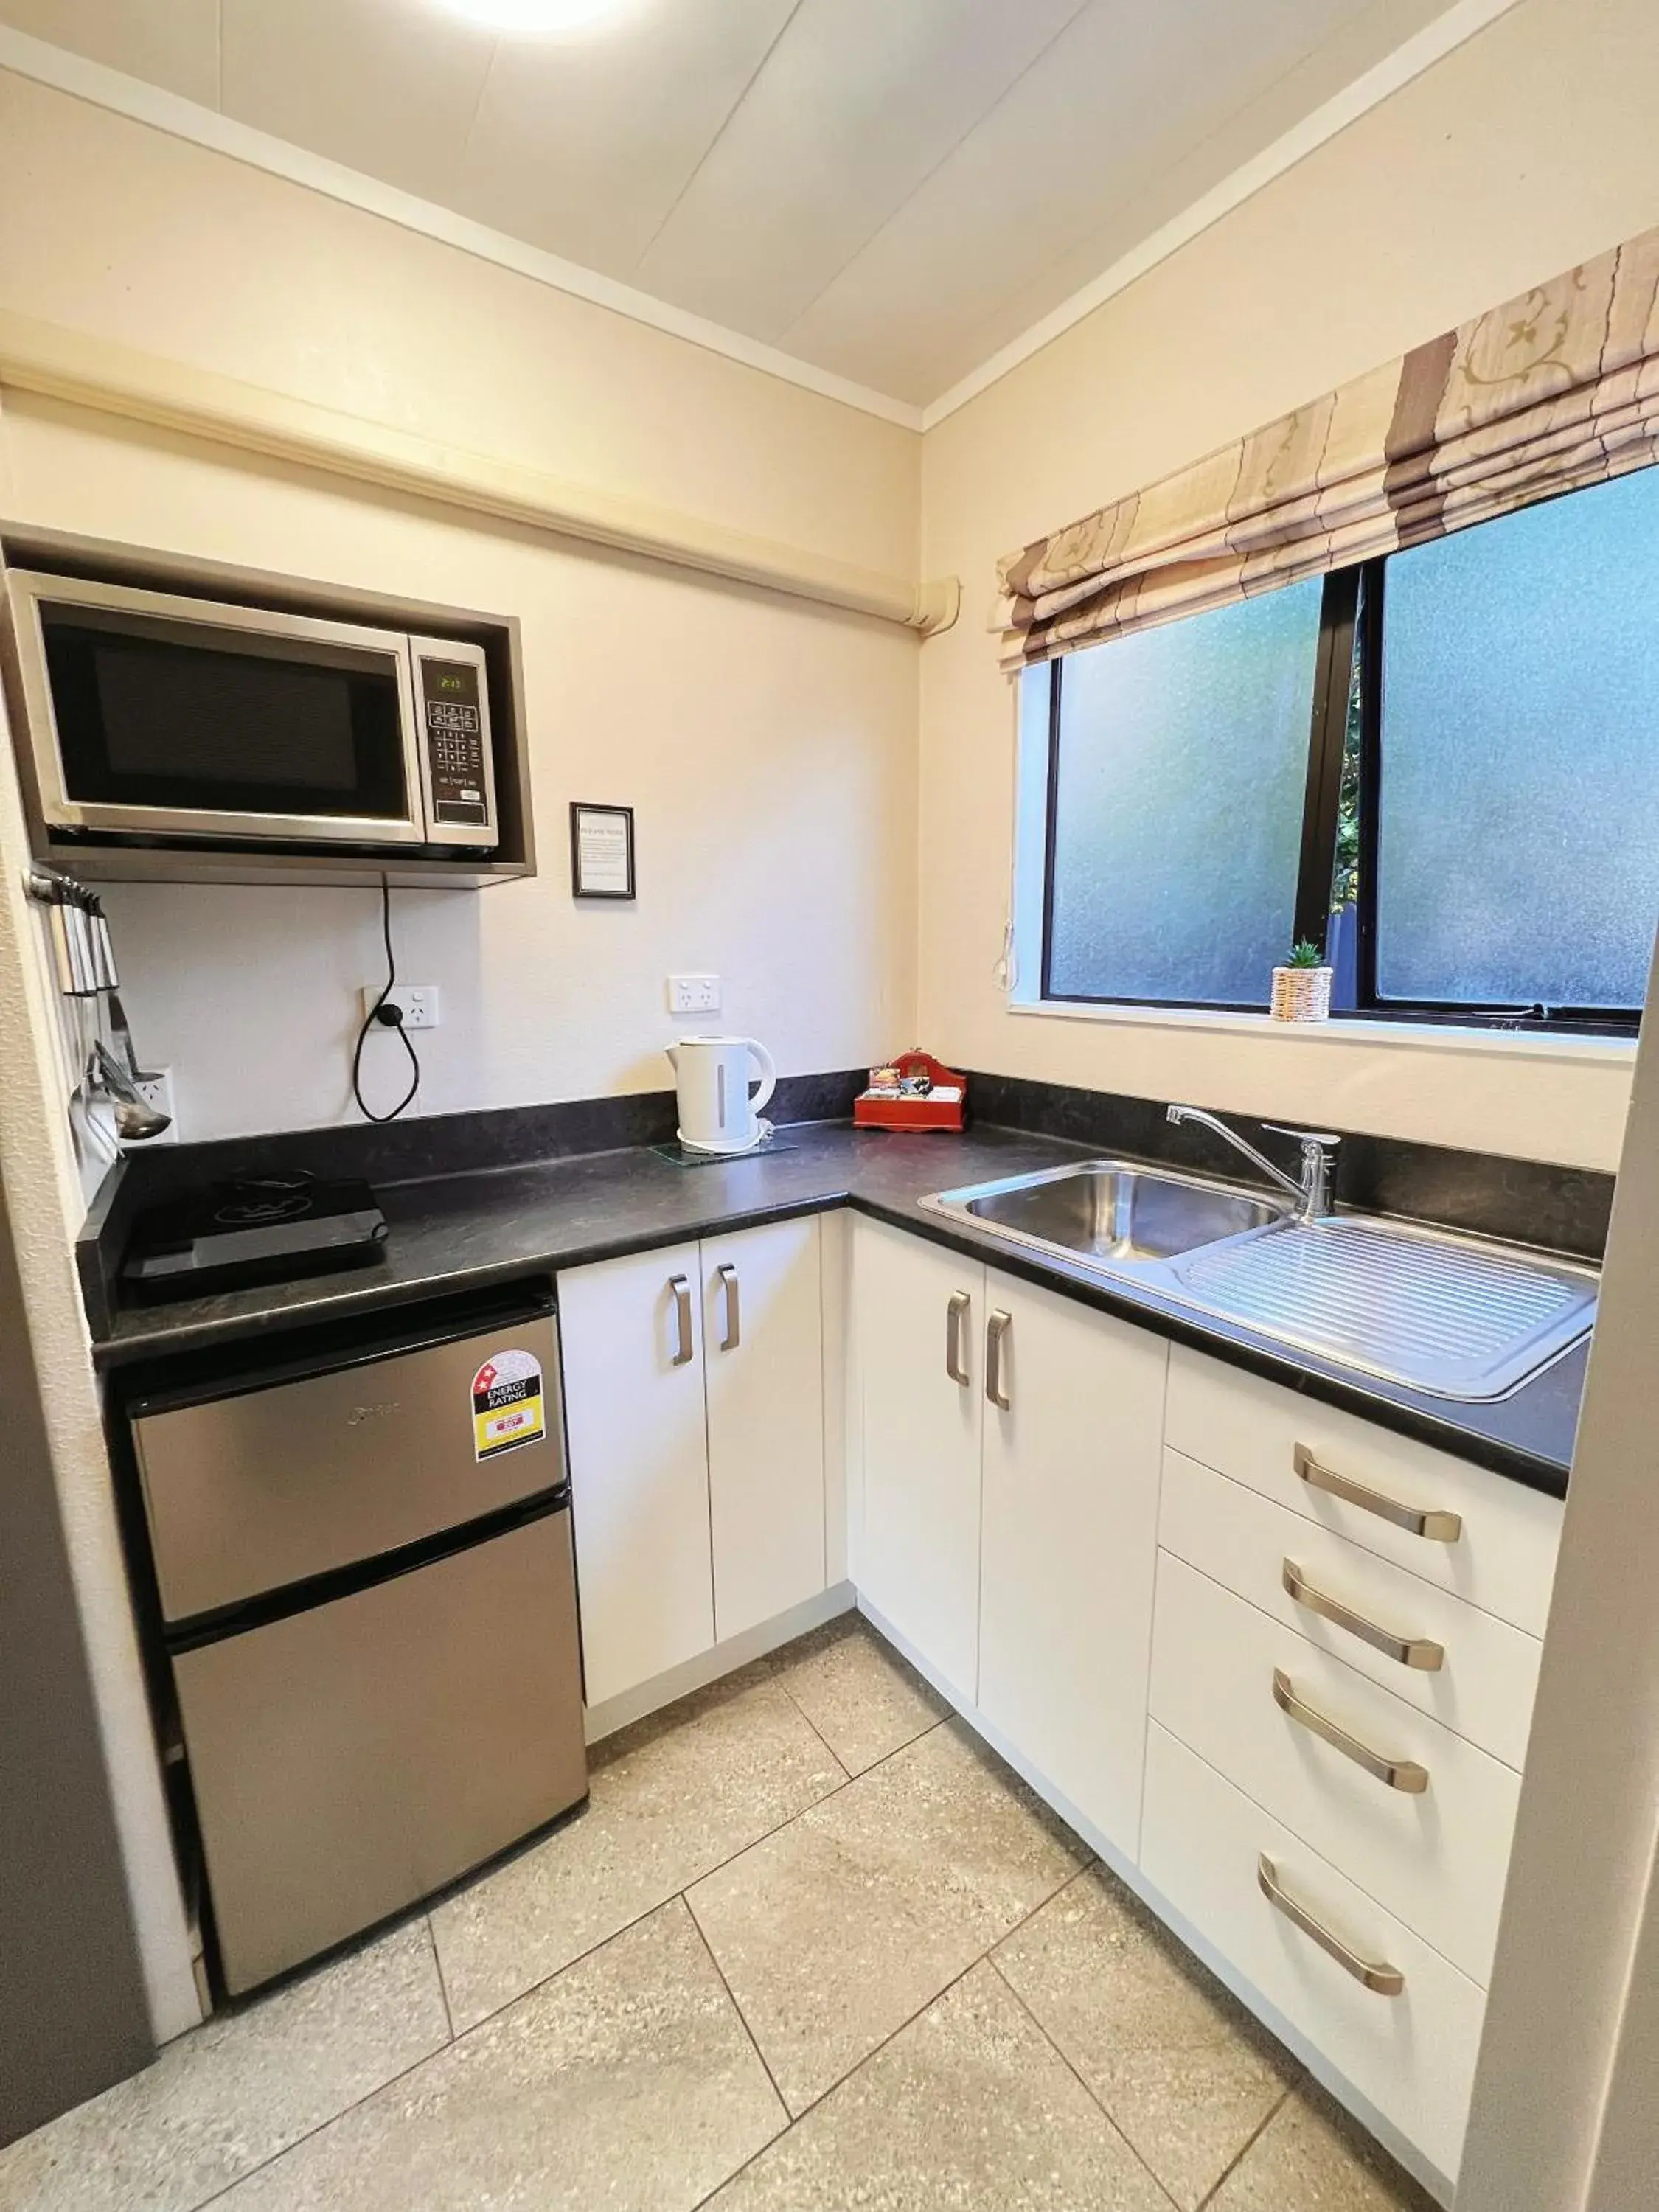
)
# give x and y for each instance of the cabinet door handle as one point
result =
(681, 1291)
(1386, 1981)
(1416, 1520)
(1418, 1651)
(996, 1335)
(956, 1312)
(727, 1274)
(1397, 1773)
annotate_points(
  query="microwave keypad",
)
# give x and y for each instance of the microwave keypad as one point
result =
(454, 740)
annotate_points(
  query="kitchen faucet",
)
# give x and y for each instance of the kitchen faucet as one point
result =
(1312, 1192)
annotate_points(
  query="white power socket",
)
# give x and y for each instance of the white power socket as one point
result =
(420, 1004)
(693, 994)
(156, 1091)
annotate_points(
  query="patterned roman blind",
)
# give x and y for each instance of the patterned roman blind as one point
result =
(1552, 391)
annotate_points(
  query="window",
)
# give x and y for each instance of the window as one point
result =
(1179, 759)
(1443, 767)
(1515, 846)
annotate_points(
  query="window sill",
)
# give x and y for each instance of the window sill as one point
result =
(1414, 1036)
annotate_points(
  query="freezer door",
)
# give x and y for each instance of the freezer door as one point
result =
(349, 1760)
(248, 1493)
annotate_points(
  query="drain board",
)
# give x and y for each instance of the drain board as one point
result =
(1451, 1319)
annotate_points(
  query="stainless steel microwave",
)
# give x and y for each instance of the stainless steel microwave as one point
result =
(154, 717)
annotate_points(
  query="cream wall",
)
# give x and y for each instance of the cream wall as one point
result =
(767, 745)
(1526, 151)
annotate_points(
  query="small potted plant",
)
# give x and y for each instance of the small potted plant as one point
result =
(1302, 987)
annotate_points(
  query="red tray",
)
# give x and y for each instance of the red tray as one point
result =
(878, 1110)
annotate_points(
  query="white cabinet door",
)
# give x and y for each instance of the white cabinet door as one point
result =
(1070, 1545)
(631, 1334)
(918, 1540)
(762, 1320)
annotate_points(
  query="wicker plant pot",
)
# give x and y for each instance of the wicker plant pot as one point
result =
(1302, 995)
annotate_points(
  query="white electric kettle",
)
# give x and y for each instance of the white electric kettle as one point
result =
(714, 1073)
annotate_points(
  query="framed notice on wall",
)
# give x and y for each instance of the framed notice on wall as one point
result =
(601, 851)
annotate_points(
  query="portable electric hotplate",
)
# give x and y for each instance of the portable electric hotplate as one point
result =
(257, 1229)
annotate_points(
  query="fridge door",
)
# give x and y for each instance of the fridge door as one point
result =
(251, 1492)
(348, 1759)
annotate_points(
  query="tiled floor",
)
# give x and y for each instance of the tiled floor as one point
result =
(810, 1946)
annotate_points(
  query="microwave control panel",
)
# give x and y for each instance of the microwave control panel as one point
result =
(457, 769)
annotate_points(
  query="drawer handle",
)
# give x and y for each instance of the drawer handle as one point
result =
(996, 1335)
(1416, 1520)
(1398, 1773)
(726, 1275)
(681, 1291)
(1418, 1651)
(1386, 1981)
(955, 1313)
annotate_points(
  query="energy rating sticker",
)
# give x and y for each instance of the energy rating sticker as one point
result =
(507, 1409)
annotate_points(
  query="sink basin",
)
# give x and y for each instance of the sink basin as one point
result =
(1111, 1212)
(1454, 1316)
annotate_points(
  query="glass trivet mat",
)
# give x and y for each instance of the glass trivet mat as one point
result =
(682, 1156)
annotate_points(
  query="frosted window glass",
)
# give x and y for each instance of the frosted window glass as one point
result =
(1183, 761)
(1518, 828)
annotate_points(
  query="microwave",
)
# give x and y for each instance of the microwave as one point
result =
(152, 717)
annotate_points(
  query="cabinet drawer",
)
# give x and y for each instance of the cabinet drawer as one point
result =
(1486, 1681)
(1411, 2054)
(1503, 1558)
(1435, 1856)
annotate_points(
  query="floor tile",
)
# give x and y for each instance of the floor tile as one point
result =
(670, 1798)
(237, 2090)
(863, 1699)
(628, 2081)
(968, 2107)
(1312, 2158)
(832, 1932)
(1179, 2064)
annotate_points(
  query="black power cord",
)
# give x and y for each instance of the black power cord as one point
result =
(384, 1016)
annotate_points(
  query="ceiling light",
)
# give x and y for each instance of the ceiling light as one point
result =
(535, 19)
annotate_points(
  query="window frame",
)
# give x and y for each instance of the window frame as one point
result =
(1350, 623)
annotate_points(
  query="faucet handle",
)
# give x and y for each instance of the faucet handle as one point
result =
(1325, 1137)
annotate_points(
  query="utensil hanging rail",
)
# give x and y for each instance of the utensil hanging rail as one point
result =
(83, 956)
(82, 953)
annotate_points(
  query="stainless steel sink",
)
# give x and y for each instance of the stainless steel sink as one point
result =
(1457, 1317)
(1110, 1212)
(1454, 1316)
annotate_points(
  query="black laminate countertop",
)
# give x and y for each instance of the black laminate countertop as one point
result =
(457, 1233)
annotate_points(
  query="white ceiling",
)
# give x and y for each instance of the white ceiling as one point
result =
(891, 190)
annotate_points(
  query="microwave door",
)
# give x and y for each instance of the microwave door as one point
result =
(155, 716)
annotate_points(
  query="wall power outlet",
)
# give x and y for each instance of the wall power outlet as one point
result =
(420, 1004)
(693, 994)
